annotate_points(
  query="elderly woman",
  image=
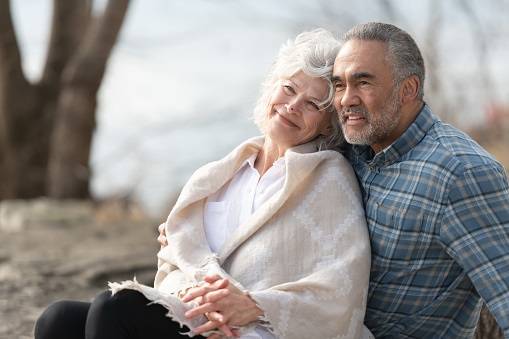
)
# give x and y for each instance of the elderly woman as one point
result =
(268, 242)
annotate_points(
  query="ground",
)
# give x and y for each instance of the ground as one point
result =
(68, 260)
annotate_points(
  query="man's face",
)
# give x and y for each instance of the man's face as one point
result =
(366, 98)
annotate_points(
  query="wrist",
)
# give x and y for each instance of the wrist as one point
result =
(257, 311)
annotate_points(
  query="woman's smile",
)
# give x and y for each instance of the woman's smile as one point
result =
(286, 121)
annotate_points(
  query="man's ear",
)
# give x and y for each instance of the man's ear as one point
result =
(409, 89)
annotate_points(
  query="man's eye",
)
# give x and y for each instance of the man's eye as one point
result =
(339, 87)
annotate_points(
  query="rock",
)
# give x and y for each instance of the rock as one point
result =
(487, 328)
(8, 272)
(19, 215)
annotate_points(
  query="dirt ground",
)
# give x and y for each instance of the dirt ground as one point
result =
(69, 259)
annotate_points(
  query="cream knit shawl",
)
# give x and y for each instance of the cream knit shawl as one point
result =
(303, 256)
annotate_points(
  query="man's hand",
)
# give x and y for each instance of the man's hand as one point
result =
(226, 305)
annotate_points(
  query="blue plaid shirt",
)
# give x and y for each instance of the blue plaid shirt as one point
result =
(437, 206)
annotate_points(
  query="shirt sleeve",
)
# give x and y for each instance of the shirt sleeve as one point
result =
(476, 231)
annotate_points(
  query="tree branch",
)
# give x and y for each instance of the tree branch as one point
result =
(69, 24)
(481, 43)
(88, 65)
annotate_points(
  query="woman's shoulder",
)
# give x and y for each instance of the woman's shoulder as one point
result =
(331, 158)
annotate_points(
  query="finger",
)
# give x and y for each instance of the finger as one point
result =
(208, 326)
(218, 284)
(217, 281)
(160, 228)
(214, 336)
(162, 240)
(216, 317)
(222, 283)
(226, 330)
(193, 294)
(199, 310)
(197, 292)
(220, 320)
(214, 296)
(212, 278)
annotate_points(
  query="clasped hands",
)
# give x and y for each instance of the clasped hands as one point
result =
(224, 305)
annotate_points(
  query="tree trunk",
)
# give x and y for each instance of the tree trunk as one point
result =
(69, 171)
(23, 156)
(55, 117)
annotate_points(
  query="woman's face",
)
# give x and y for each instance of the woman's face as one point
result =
(294, 113)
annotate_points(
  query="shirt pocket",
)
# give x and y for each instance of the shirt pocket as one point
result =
(214, 221)
(399, 234)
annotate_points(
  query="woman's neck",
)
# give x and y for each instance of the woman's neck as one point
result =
(269, 153)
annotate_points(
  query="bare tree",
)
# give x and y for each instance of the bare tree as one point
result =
(46, 127)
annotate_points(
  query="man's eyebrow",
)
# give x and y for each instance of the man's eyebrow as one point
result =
(362, 75)
(355, 76)
(336, 78)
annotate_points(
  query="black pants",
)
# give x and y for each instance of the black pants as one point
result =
(122, 316)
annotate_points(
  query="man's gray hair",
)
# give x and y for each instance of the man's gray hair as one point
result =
(403, 52)
(313, 53)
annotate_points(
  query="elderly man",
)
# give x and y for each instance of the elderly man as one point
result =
(437, 204)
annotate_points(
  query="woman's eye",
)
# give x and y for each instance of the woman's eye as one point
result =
(339, 87)
(313, 106)
(288, 89)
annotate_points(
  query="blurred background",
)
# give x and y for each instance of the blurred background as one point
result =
(183, 77)
(108, 106)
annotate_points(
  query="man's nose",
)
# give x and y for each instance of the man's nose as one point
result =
(347, 98)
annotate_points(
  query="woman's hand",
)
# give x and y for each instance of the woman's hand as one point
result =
(162, 235)
(225, 306)
(214, 288)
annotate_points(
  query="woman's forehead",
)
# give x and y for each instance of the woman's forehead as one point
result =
(315, 86)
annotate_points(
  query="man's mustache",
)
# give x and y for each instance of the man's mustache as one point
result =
(353, 110)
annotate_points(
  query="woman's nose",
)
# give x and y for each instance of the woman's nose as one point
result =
(293, 105)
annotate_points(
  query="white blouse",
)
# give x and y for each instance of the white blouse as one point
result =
(235, 202)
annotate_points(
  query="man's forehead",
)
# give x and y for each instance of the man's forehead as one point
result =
(360, 56)
(367, 47)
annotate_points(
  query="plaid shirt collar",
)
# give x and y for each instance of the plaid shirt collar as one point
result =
(411, 137)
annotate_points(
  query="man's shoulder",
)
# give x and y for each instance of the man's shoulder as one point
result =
(447, 146)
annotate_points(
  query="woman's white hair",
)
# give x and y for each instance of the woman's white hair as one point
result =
(313, 53)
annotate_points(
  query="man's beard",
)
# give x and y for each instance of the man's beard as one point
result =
(378, 127)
